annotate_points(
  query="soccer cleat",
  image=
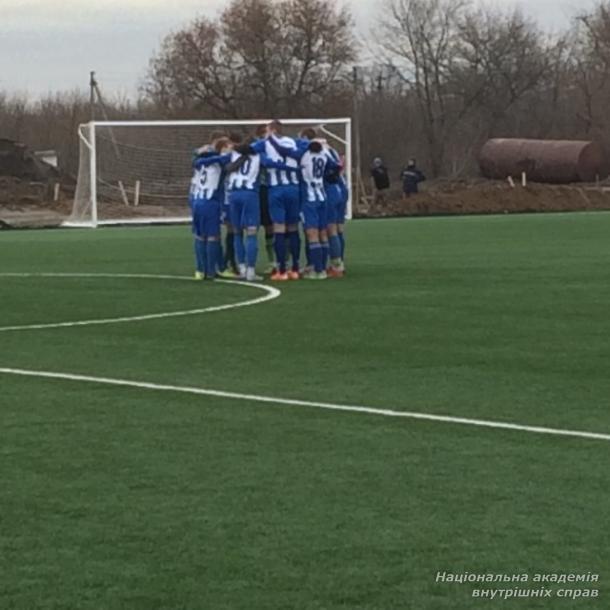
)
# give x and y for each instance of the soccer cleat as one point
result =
(199, 276)
(334, 272)
(312, 275)
(227, 274)
(251, 275)
(279, 277)
(242, 272)
(294, 275)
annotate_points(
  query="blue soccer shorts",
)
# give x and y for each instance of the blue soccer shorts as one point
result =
(341, 211)
(206, 218)
(315, 215)
(244, 209)
(284, 204)
(335, 204)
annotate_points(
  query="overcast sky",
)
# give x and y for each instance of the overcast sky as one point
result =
(48, 45)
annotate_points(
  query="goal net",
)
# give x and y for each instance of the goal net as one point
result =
(139, 172)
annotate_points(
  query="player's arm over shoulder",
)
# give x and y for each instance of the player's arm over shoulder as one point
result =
(208, 159)
(294, 151)
(269, 163)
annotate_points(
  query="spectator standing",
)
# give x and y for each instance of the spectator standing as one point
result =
(380, 179)
(411, 177)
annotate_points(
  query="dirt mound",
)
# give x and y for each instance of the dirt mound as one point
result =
(30, 204)
(14, 191)
(486, 197)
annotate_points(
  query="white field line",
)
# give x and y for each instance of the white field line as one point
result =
(305, 403)
(270, 294)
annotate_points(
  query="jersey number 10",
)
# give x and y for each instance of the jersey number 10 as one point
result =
(245, 168)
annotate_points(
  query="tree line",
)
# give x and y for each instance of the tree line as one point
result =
(432, 78)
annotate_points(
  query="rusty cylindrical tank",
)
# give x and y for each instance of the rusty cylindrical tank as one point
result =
(551, 161)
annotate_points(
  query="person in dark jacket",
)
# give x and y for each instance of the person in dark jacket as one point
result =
(411, 177)
(380, 179)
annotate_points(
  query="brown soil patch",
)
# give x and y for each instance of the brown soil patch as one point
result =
(487, 197)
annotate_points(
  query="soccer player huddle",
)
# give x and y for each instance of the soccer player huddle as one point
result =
(276, 181)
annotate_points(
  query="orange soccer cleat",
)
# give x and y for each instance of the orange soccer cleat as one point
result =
(334, 272)
(279, 277)
(294, 275)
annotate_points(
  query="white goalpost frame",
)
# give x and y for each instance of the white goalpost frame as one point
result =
(91, 145)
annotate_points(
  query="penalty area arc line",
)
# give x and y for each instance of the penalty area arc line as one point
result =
(270, 294)
(446, 419)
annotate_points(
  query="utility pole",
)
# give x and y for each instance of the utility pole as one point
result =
(92, 89)
(96, 97)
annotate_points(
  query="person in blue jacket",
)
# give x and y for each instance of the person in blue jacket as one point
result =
(411, 177)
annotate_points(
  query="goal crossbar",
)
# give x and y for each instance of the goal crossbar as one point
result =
(220, 123)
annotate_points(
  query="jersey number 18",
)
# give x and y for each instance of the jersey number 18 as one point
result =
(318, 167)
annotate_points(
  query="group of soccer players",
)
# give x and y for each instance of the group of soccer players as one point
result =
(279, 182)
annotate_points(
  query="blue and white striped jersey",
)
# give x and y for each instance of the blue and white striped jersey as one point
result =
(247, 177)
(282, 177)
(195, 180)
(313, 166)
(207, 182)
(334, 172)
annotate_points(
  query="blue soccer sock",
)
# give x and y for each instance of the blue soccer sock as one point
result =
(197, 257)
(335, 247)
(270, 248)
(324, 245)
(315, 253)
(220, 256)
(342, 240)
(295, 249)
(252, 250)
(200, 255)
(240, 251)
(279, 244)
(230, 250)
(211, 251)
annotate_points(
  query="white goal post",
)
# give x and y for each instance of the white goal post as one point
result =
(139, 172)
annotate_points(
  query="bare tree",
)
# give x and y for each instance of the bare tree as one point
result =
(319, 38)
(590, 61)
(513, 78)
(420, 36)
(467, 69)
(194, 70)
(261, 58)
(500, 59)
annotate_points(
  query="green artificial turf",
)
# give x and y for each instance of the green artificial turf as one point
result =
(130, 498)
